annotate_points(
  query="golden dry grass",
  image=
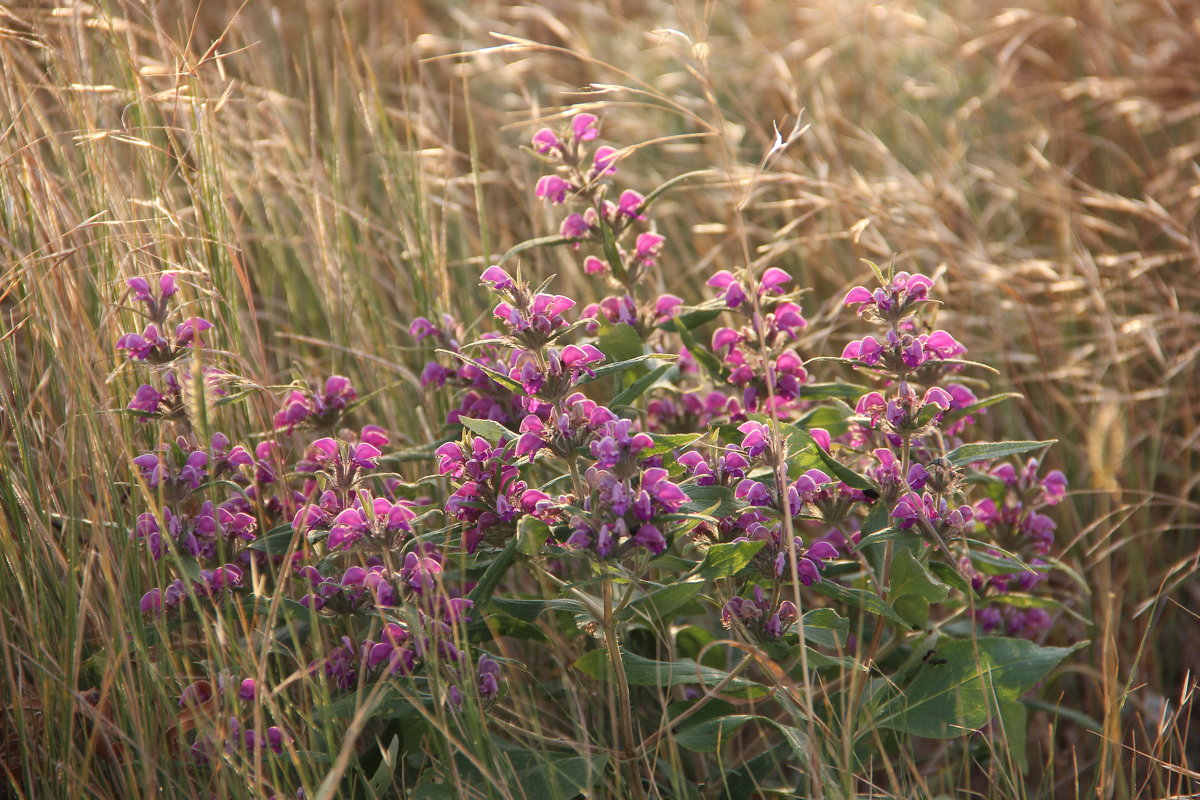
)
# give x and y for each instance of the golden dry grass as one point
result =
(316, 170)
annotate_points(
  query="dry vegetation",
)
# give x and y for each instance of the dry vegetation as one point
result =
(316, 170)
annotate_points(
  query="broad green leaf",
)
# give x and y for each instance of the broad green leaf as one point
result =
(986, 451)
(666, 442)
(641, 671)
(825, 415)
(664, 601)
(708, 736)
(530, 774)
(839, 470)
(950, 576)
(531, 535)
(727, 560)
(956, 692)
(385, 773)
(859, 598)
(619, 342)
(691, 317)
(716, 500)
(489, 429)
(882, 536)
(528, 610)
(275, 541)
(1002, 562)
(910, 577)
(540, 773)
(825, 627)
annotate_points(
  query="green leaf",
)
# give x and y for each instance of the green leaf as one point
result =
(528, 610)
(543, 241)
(859, 598)
(498, 377)
(639, 387)
(604, 370)
(385, 773)
(1014, 720)
(829, 391)
(910, 577)
(532, 533)
(708, 736)
(949, 575)
(542, 773)
(691, 317)
(716, 500)
(666, 442)
(661, 603)
(612, 253)
(1002, 562)
(641, 671)
(1021, 600)
(839, 470)
(882, 536)
(275, 541)
(619, 342)
(986, 451)
(492, 575)
(666, 185)
(529, 774)
(489, 429)
(704, 357)
(825, 627)
(954, 692)
(727, 560)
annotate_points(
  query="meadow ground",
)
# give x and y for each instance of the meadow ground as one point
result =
(319, 173)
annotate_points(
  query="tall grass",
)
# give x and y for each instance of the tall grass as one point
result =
(320, 173)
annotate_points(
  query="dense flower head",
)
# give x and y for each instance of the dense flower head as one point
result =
(378, 519)
(489, 493)
(905, 413)
(893, 303)
(903, 352)
(557, 372)
(923, 509)
(622, 513)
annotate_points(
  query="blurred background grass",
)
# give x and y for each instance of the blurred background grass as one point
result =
(321, 172)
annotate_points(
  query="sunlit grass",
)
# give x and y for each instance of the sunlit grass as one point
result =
(319, 175)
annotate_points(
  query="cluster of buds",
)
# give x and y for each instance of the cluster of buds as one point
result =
(765, 622)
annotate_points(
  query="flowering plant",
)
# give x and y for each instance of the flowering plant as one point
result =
(686, 502)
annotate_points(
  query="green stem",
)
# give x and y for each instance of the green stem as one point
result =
(625, 746)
